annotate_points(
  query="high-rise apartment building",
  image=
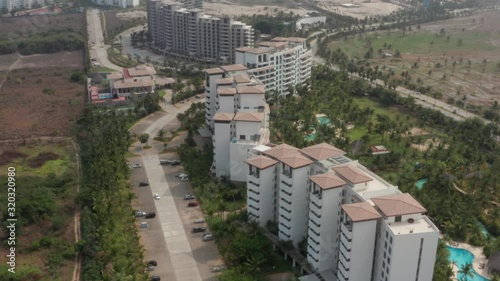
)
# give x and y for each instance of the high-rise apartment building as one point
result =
(357, 225)
(280, 64)
(117, 3)
(181, 28)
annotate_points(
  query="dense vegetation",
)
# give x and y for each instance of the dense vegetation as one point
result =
(464, 154)
(46, 184)
(44, 43)
(110, 245)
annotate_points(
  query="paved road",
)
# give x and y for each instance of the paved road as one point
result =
(97, 48)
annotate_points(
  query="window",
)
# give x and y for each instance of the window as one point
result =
(398, 218)
(242, 137)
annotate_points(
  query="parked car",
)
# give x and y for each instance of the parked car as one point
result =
(175, 162)
(144, 224)
(181, 175)
(156, 196)
(197, 97)
(208, 237)
(184, 179)
(150, 215)
(150, 268)
(199, 221)
(165, 162)
(193, 204)
(152, 263)
(136, 165)
(189, 197)
(197, 229)
(139, 214)
(155, 278)
(143, 183)
(218, 268)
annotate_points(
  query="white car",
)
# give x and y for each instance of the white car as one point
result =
(182, 175)
(136, 165)
(208, 237)
(218, 268)
(156, 196)
(199, 221)
(184, 179)
(189, 197)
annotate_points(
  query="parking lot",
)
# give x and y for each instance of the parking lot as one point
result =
(168, 239)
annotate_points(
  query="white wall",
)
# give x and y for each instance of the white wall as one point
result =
(211, 95)
(247, 129)
(266, 197)
(299, 201)
(363, 245)
(251, 101)
(236, 163)
(226, 103)
(221, 139)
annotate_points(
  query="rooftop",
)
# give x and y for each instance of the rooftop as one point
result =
(418, 225)
(255, 89)
(362, 211)
(249, 116)
(322, 151)
(261, 162)
(352, 174)
(140, 70)
(223, 117)
(255, 51)
(290, 39)
(327, 180)
(233, 67)
(272, 44)
(224, 81)
(398, 205)
(120, 84)
(215, 70)
(241, 78)
(114, 76)
(281, 150)
(296, 160)
(228, 91)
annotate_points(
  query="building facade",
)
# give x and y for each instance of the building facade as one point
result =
(280, 64)
(117, 3)
(180, 28)
(357, 226)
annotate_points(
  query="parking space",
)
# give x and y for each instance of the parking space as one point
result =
(181, 254)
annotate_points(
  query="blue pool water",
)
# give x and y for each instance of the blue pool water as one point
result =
(461, 257)
(420, 183)
(324, 120)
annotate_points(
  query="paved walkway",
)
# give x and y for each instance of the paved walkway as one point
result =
(179, 249)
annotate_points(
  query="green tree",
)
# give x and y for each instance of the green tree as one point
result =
(144, 138)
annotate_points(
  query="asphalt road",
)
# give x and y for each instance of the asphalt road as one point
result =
(97, 49)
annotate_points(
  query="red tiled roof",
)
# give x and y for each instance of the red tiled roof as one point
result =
(223, 117)
(281, 150)
(352, 174)
(261, 162)
(322, 151)
(296, 160)
(249, 116)
(398, 205)
(362, 211)
(327, 180)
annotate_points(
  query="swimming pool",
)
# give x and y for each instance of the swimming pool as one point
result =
(324, 120)
(420, 183)
(461, 257)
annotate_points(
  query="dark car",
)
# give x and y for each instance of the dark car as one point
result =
(175, 162)
(150, 215)
(193, 204)
(155, 278)
(143, 183)
(165, 162)
(152, 263)
(198, 229)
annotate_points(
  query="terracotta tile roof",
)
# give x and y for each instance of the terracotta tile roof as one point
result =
(327, 180)
(281, 150)
(322, 151)
(229, 91)
(398, 205)
(256, 89)
(223, 117)
(215, 70)
(141, 70)
(296, 160)
(255, 51)
(264, 68)
(233, 67)
(241, 78)
(249, 116)
(352, 174)
(272, 44)
(289, 39)
(224, 81)
(261, 162)
(140, 83)
(362, 211)
(114, 75)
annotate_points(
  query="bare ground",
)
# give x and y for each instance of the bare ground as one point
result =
(238, 9)
(373, 8)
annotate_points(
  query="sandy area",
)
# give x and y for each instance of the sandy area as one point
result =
(366, 9)
(131, 15)
(236, 10)
(416, 132)
(426, 145)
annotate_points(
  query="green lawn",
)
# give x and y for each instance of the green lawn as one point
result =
(162, 93)
(418, 43)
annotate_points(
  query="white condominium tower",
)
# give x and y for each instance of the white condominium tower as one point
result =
(358, 227)
(279, 64)
(180, 28)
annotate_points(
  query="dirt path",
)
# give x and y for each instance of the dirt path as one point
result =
(8, 71)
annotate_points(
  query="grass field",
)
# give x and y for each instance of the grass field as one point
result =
(45, 193)
(460, 58)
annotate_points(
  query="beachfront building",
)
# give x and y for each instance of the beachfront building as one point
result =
(238, 117)
(357, 225)
(280, 64)
(181, 28)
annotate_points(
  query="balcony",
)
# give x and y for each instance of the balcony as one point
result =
(347, 229)
(254, 177)
(347, 242)
(343, 272)
(315, 202)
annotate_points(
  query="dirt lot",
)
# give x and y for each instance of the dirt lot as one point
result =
(117, 22)
(14, 27)
(463, 63)
(37, 96)
(236, 9)
(374, 8)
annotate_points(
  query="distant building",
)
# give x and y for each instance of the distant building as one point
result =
(279, 64)
(10, 5)
(308, 22)
(117, 3)
(182, 29)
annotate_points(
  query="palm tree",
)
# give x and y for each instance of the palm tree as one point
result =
(466, 271)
